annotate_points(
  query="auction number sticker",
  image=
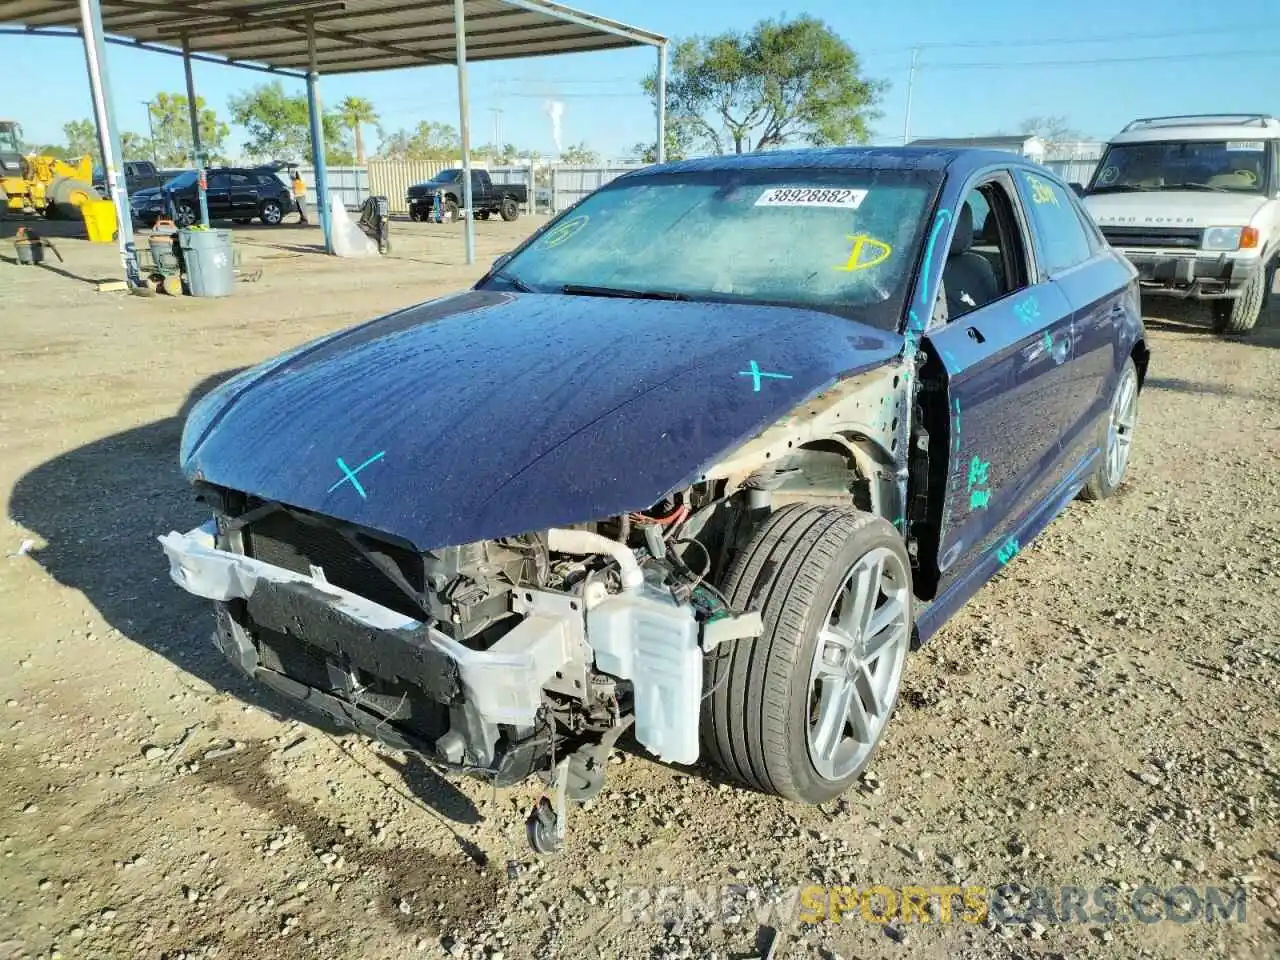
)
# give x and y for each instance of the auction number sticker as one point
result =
(1250, 146)
(811, 197)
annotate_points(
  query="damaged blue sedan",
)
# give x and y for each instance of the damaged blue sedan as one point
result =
(702, 460)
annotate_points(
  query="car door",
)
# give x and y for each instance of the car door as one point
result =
(479, 187)
(218, 195)
(1071, 252)
(244, 195)
(1004, 346)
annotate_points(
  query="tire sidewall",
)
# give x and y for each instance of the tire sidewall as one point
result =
(808, 783)
(509, 210)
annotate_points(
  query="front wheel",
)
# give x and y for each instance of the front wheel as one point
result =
(509, 209)
(1122, 420)
(184, 214)
(799, 710)
(452, 211)
(1241, 314)
(272, 213)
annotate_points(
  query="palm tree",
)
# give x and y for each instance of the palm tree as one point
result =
(355, 112)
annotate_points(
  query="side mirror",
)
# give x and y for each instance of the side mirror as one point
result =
(1078, 188)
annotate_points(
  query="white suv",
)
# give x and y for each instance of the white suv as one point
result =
(1194, 203)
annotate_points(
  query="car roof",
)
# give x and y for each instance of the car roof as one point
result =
(1230, 127)
(958, 161)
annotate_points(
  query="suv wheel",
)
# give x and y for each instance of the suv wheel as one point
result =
(799, 710)
(184, 214)
(272, 213)
(1241, 314)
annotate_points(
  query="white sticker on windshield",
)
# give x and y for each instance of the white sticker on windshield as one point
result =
(811, 197)
(1252, 146)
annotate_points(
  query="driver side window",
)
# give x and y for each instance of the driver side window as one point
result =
(987, 260)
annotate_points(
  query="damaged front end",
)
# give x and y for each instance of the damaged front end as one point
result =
(479, 657)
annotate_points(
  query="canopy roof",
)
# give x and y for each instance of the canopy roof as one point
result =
(351, 36)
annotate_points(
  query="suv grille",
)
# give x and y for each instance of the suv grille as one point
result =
(285, 540)
(1186, 238)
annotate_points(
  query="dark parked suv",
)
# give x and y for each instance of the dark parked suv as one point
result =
(237, 194)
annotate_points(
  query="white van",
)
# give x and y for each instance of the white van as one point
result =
(1194, 203)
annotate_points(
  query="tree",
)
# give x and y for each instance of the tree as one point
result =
(428, 141)
(134, 146)
(279, 126)
(780, 81)
(82, 138)
(171, 131)
(1053, 130)
(580, 155)
(355, 113)
(504, 156)
(679, 139)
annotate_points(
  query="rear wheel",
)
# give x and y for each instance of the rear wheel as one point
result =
(509, 209)
(271, 212)
(798, 711)
(1122, 420)
(1241, 314)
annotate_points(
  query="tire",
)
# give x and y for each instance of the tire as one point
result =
(66, 196)
(509, 209)
(271, 213)
(1241, 314)
(451, 209)
(417, 214)
(762, 693)
(184, 214)
(1117, 437)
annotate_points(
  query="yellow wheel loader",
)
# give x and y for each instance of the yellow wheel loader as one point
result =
(41, 184)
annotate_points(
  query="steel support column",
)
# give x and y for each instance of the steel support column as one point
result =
(661, 152)
(108, 138)
(197, 151)
(464, 125)
(316, 117)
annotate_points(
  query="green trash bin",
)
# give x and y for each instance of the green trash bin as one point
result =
(207, 254)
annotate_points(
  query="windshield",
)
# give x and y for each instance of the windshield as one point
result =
(10, 138)
(185, 179)
(447, 176)
(843, 241)
(1227, 166)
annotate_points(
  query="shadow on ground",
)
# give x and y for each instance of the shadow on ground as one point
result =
(99, 509)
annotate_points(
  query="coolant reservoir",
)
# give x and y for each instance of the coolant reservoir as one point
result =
(649, 639)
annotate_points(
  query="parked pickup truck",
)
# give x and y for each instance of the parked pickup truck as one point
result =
(138, 175)
(504, 199)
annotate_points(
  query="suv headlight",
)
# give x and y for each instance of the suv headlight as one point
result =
(1229, 238)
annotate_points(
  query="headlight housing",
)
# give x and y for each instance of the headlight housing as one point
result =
(1229, 238)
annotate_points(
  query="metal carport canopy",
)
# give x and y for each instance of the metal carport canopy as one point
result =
(309, 38)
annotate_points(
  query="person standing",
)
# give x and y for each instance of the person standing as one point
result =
(300, 196)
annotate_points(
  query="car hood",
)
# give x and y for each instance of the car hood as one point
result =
(490, 414)
(1173, 208)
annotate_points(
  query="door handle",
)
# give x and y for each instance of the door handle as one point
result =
(976, 335)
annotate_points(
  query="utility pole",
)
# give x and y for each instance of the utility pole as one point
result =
(911, 81)
(497, 128)
(151, 130)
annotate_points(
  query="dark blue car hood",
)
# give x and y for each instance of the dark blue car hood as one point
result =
(489, 414)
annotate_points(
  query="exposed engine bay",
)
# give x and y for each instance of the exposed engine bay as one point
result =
(530, 653)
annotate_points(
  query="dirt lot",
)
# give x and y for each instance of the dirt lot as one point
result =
(1104, 713)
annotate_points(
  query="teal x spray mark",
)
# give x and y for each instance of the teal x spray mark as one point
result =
(349, 474)
(756, 373)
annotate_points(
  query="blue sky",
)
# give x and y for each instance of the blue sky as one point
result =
(1121, 62)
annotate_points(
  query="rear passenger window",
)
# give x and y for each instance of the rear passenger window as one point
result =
(1062, 239)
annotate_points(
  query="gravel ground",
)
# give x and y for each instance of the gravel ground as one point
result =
(1104, 713)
